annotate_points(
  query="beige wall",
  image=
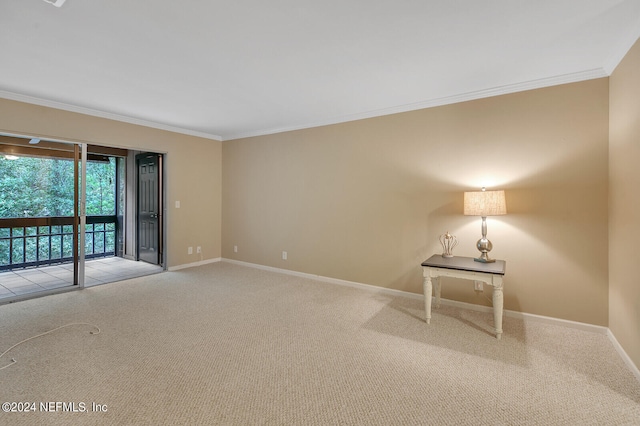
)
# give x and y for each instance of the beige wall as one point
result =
(624, 204)
(193, 169)
(365, 201)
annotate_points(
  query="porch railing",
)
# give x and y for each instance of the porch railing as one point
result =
(37, 241)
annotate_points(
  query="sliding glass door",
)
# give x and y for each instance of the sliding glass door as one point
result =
(64, 203)
(43, 218)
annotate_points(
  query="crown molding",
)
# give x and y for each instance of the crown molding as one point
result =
(103, 114)
(448, 100)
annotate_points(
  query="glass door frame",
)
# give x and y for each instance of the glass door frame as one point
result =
(78, 153)
(78, 221)
(80, 212)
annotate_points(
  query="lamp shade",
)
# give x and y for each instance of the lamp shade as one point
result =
(484, 203)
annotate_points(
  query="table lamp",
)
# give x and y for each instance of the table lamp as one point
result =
(484, 203)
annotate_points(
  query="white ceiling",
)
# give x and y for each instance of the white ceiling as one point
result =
(229, 69)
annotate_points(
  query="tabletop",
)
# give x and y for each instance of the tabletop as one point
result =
(465, 264)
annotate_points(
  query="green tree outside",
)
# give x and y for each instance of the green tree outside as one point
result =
(43, 187)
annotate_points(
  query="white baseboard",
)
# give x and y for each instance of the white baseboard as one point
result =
(325, 279)
(469, 306)
(191, 265)
(634, 369)
(532, 317)
(463, 305)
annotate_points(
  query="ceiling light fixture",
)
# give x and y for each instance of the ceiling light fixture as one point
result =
(56, 3)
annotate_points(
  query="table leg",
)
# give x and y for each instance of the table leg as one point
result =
(498, 301)
(436, 281)
(427, 297)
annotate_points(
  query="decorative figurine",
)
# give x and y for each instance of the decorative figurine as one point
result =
(448, 242)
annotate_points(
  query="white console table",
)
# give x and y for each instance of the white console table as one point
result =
(464, 267)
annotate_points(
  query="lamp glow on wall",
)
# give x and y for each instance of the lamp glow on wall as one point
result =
(484, 203)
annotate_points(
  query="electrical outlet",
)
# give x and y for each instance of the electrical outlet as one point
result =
(198, 249)
(284, 255)
(190, 250)
(478, 286)
(235, 249)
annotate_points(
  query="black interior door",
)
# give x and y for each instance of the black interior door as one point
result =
(149, 207)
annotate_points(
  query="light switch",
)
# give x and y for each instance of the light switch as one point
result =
(177, 204)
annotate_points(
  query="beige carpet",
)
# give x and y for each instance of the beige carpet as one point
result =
(227, 344)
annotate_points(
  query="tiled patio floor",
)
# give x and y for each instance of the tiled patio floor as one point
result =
(20, 282)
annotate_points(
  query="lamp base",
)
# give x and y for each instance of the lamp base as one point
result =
(483, 260)
(484, 245)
